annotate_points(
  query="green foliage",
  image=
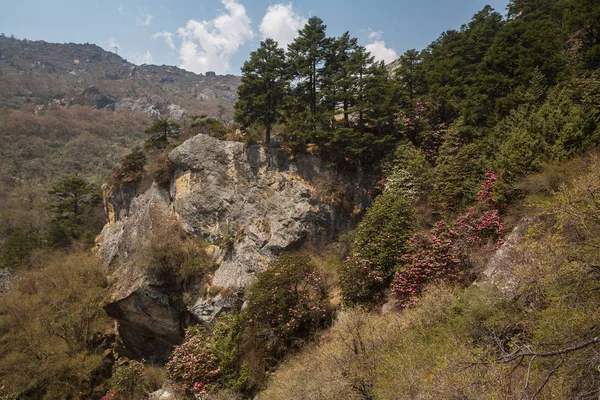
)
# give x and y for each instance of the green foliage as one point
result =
(441, 255)
(556, 130)
(128, 381)
(329, 93)
(377, 249)
(131, 169)
(538, 339)
(72, 206)
(407, 171)
(225, 345)
(306, 57)
(263, 87)
(59, 234)
(16, 248)
(161, 131)
(209, 126)
(287, 303)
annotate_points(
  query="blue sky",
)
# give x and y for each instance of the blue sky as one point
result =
(218, 35)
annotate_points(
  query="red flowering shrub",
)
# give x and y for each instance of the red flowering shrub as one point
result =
(432, 256)
(287, 301)
(194, 364)
(442, 253)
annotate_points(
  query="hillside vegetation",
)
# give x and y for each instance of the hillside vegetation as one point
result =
(485, 140)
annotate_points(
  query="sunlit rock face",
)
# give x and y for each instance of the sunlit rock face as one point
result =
(249, 203)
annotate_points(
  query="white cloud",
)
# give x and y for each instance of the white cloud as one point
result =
(140, 59)
(121, 9)
(209, 45)
(281, 23)
(144, 20)
(378, 48)
(168, 38)
(375, 35)
(111, 45)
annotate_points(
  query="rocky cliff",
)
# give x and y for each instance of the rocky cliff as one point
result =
(251, 204)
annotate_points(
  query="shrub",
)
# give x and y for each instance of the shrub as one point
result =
(193, 363)
(128, 381)
(408, 171)
(459, 170)
(287, 303)
(178, 259)
(442, 253)
(209, 126)
(131, 169)
(51, 324)
(377, 249)
(225, 345)
(430, 256)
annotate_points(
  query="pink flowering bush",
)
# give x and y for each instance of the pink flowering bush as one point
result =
(442, 253)
(193, 363)
(432, 256)
(287, 302)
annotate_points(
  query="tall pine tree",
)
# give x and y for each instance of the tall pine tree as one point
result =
(306, 57)
(263, 87)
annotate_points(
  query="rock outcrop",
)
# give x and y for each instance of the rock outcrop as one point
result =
(251, 204)
(499, 272)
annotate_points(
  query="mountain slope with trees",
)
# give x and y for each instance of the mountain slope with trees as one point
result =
(481, 147)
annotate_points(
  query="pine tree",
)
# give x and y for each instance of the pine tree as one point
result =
(306, 56)
(73, 200)
(160, 132)
(338, 78)
(263, 87)
(409, 73)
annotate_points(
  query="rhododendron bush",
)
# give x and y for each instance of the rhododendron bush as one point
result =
(193, 363)
(442, 254)
(287, 301)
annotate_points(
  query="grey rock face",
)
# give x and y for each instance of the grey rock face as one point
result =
(499, 270)
(132, 221)
(258, 199)
(205, 309)
(154, 106)
(163, 394)
(148, 321)
(252, 203)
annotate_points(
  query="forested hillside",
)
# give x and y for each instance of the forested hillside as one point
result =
(473, 274)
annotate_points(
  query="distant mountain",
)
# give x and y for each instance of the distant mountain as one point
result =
(37, 73)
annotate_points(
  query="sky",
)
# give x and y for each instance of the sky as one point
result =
(218, 35)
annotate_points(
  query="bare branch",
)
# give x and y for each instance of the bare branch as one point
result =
(513, 356)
